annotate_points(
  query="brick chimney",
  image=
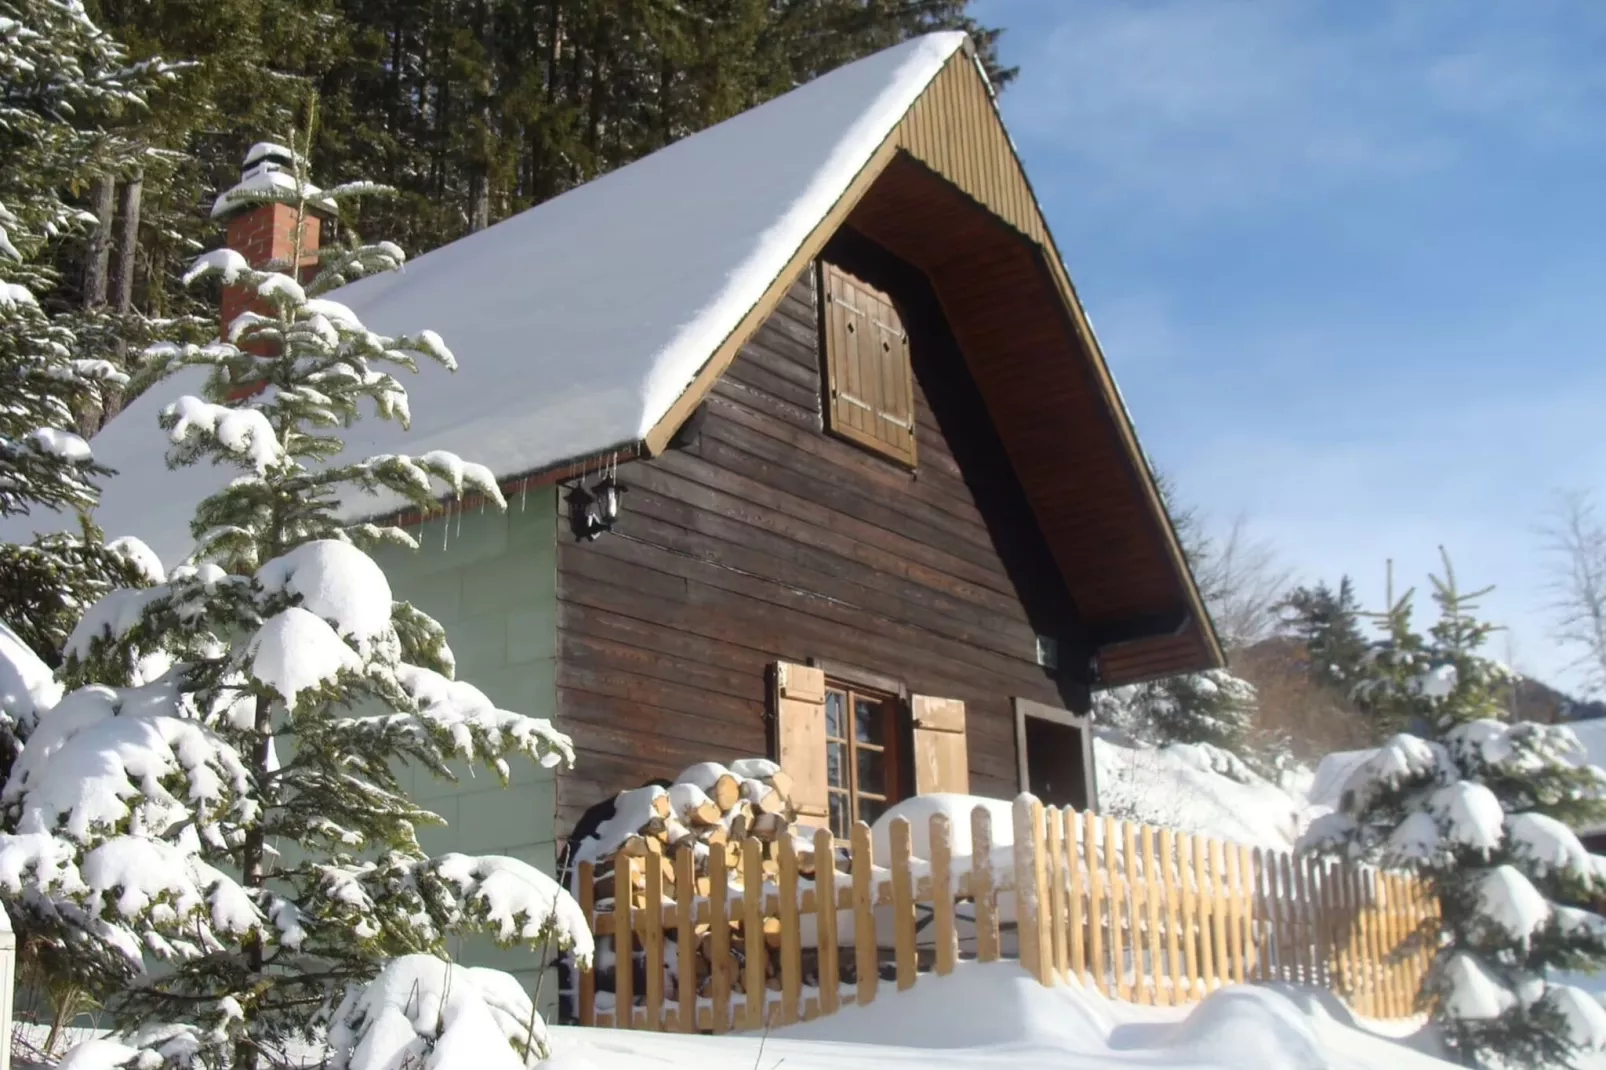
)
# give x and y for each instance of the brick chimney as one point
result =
(264, 233)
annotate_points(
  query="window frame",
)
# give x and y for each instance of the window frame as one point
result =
(893, 695)
(905, 453)
(1027, 708)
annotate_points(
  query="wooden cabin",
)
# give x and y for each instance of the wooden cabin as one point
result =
(810, 453)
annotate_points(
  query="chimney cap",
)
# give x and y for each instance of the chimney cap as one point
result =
(270, 150)
(265, 173)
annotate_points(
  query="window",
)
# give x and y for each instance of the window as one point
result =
(850, 751)
(860, 758)
(869, 383)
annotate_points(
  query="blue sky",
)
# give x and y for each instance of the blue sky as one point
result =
(1348, 261)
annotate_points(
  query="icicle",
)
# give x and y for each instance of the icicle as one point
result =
(446, 532)
(459, 511)
(524, 493)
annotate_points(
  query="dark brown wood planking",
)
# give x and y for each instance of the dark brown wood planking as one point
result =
(763, 538)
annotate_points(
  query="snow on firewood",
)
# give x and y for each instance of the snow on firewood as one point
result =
(422, 1013)
(703, 775)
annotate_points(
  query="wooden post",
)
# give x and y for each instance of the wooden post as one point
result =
(755, 951)
(1076, 921)
(1173, 953)
(1396, 945)
(1057, 881)
(945, 931)
(1207, 911)
(586, 1000)
(791, 933)
(1114, 903)
(1192, 920)
(686, 935)
(652, 934)
(865, 960)
(1153, 889)
(1331, 899)
(8, 986)
(721, 965)
(825, 919)
(1246, 910)
(1092, 852)
(982, 884)
(1134, 932)
(625, 868)
(903, 904)
(1303, 913)
(1030, 880)
(1234, 887)
(1372, 885)
(1259, 913)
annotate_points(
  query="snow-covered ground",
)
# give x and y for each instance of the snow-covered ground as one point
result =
(1201, 789)
(992, 1016)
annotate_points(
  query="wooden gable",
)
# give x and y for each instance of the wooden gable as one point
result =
(946, 194)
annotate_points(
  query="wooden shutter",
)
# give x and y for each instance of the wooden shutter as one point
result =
(869, 381)
(800, 739)
(941, 759)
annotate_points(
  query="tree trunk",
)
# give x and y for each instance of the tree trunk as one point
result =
(128, 242)
(253, 871)
(101, 197)
(127, 261)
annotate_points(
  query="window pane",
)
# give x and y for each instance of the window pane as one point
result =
(836, 764)
(839, 815)
(834, 724)
(868, 719)
(870, 809)
(872, 771)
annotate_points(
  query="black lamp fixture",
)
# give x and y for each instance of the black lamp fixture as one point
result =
(595, 510)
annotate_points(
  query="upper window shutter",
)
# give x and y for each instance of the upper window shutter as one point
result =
(941, 758)
(800, 738)
(870, 382)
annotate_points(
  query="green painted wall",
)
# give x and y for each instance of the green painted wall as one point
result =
(491, 579)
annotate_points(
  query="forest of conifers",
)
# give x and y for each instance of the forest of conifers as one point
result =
(471, 109)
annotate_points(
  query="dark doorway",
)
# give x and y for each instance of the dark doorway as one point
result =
(1055, 750)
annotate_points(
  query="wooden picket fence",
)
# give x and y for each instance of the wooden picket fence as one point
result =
(1141, 914)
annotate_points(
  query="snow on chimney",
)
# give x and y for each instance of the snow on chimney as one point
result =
(265, 232)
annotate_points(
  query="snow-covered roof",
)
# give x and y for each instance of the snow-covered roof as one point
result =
(579, 322)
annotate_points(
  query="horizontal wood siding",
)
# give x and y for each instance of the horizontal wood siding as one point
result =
(763, 538)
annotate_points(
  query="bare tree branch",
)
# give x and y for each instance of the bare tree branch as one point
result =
(1576, 540)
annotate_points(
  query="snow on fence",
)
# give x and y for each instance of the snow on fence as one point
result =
(1141, 914)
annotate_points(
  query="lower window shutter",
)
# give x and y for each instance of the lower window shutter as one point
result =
(800, 739)
(941, 758)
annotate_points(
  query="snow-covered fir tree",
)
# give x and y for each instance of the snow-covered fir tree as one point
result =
(67, 89)
(1214, 708)
(1481, 809)
(221, 789)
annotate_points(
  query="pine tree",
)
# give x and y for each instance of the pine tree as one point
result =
(1327, 625)
(1213, 708)
(222, 788)
(67, 88)
(1481, 809)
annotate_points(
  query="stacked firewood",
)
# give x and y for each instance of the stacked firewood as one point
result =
(710, 809)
